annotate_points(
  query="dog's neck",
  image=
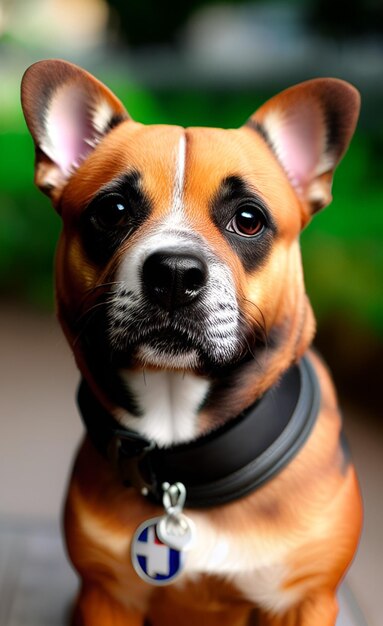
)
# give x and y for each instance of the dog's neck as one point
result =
(169, 402)
(176, 407)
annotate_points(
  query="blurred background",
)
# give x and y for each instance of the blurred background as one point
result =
(190, 63)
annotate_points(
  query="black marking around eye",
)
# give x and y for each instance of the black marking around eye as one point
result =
(234, 192)
(101, 243)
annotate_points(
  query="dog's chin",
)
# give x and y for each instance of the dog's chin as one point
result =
(149, 355)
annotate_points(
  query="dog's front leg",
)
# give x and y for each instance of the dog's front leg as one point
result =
(95, 607)
(320, 609)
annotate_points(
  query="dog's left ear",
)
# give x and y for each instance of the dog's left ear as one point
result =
(67, 111)
(309, 128)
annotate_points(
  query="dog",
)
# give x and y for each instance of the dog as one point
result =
(214, 485)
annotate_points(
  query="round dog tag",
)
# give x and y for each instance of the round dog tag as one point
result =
(154, 561)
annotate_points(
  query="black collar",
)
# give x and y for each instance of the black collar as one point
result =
(224, 465)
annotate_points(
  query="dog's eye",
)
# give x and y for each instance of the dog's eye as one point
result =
(110, 211)
(248, 222)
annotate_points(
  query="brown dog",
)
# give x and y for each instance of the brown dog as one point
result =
(180, 291)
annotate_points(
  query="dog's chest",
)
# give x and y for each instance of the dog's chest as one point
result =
(251, 565)
(255, 566)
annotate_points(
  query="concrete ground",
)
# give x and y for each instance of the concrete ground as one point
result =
(40, 429)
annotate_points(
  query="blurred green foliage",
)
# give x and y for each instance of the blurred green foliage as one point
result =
(342, 247)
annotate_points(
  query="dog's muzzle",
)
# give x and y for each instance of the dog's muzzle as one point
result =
(173, 306)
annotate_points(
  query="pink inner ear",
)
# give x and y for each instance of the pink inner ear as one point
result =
(68, 126)
(299, 138)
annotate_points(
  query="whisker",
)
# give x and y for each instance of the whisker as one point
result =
(254, 330)
(261, 325)
(87, 316)
(95, 288)
(91, 291)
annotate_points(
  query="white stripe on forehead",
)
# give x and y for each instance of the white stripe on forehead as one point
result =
(177, 204)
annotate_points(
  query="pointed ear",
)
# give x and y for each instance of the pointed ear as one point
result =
(67, 112)
(309, 127)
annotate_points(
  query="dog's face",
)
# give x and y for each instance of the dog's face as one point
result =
(179, 247)
(192, 251)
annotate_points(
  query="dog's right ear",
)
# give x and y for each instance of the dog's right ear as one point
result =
(67, 111)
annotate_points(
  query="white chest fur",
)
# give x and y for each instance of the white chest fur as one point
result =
(169, 402)
(256, 566)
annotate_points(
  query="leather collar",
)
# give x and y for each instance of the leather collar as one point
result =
(224, 465)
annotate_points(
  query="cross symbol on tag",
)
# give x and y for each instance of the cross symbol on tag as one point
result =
(154, 561)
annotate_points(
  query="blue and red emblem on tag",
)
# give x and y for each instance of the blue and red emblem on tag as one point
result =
(154, 561)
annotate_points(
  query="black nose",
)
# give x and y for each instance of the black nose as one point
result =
(173, 279)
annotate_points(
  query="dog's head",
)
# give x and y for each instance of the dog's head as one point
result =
(180, 247)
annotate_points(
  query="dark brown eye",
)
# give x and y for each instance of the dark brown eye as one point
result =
(248, 222)
(111, 211)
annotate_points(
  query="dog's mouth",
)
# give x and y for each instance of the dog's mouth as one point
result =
(177, 342)
(124, 337)
(166, 347)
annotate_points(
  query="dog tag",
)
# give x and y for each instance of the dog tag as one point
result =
(159, 544)
(154, 561)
